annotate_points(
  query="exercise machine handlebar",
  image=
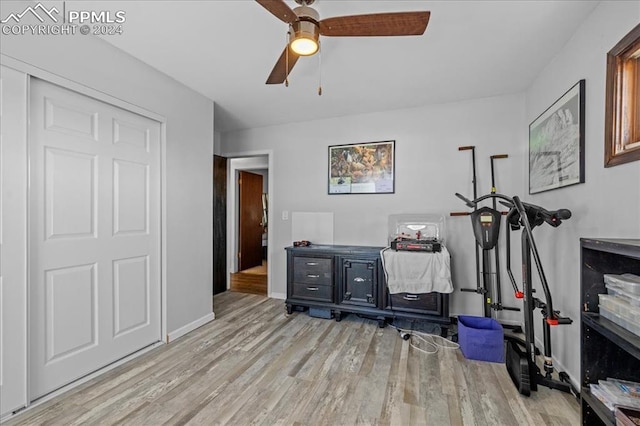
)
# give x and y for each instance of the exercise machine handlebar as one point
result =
(555, 218)
(467, 201)
(536, 215)
(474, 203)
(517, 293)
(552, 318)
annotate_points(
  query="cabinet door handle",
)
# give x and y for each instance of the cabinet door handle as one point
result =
(411, 297)
(312, 263)
(312, 288)
(313, 275)
(359, 279)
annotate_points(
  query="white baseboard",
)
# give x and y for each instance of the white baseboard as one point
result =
(278, 296)
(190, 327)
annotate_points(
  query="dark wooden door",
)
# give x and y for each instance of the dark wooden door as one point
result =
(250, 239)
(219, 224)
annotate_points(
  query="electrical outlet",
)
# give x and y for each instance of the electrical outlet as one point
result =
(285, 215)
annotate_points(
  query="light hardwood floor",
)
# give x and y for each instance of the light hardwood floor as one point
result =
(249, 283)
(253, 280)
(255, 365)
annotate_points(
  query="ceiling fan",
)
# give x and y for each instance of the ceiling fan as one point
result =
(306, 27)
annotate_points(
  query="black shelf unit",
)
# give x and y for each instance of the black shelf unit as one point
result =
(607, 349)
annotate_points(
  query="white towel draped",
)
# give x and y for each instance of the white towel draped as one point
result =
(417, 272)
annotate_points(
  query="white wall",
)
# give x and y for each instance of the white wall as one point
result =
(429, 170)
(96, 64)
(608, 203)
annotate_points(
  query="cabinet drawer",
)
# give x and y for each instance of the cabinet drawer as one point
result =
(428, 303)
(312, 270)
(323, 293)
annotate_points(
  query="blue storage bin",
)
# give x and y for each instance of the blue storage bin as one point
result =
(481, 338)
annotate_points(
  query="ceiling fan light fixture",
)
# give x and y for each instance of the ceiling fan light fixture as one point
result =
(304, 46)
(304, 38)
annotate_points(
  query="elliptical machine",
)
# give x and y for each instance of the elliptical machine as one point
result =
(521, 362)
(488, 277)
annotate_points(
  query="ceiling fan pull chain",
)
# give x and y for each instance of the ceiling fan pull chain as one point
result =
(319, 69)
(286, 65)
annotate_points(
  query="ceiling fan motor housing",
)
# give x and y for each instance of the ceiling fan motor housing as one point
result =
(306, 26)
(307, 13)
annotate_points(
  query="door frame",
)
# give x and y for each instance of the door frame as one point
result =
(232, 219)
(33, 71)
(14, 239)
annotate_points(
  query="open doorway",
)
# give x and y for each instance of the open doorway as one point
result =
(252, 228)
(248, 213)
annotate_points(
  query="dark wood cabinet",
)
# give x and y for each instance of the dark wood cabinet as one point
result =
(350, 279)
(607, 350)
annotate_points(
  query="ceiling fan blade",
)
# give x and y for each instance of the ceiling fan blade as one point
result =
(376, 24)
(279, 73)
(279, 9)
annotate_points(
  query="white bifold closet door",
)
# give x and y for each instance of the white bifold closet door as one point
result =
(94, 235)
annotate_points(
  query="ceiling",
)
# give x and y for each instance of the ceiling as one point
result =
(225, 49)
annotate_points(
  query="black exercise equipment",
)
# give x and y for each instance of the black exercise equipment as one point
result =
(486, 222)
(496, 303)
(479, 289)
(520, 355)
(527, 376)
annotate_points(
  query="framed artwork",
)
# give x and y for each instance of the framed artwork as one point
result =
(556, 143)
(366, 168)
